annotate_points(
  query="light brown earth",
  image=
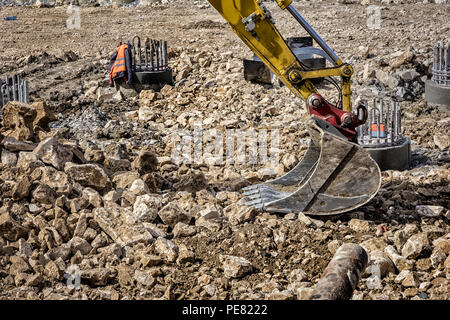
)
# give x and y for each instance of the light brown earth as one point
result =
(50, 219)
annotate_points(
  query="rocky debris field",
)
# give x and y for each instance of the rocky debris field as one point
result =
(89, 187)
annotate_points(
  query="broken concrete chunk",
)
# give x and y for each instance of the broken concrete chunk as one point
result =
(28, 161)
(96, 277)
(183, 230)
(43, 114)
(239, 214)
(18, 119)
(79, 244)
(124, 180)
(429, 211)
(92, 196)
(171, 214)
(44, 194)
(414, 245)
(144, 278)
(145, 162)
(12, 144)
(139, 187)
(10, 228)
(146, 207)
(407, 278)
(57, 180)
(113, 221)
(380, 264)
(400, 262)
(21, 188)
(359, 225)
(185, 255)
(8, 158)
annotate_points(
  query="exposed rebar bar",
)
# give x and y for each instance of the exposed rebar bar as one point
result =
(383, 125)
(441, 64)
(154, 53)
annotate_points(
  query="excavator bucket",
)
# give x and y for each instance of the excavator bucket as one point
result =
(333, 177)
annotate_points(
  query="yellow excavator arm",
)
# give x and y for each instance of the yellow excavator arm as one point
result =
(335, 175)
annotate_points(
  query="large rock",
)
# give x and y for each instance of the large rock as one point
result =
(92, 197)
(380, 264)
(146, 207)
(43, 115)
(18, 120)
(237, 214)
(44, 194)
(57, 180)
(236, 267)
(166, 249)
(10, 228)
(183, 230)
(442, 141)
(387, 79)
(50, 151)
(171, 214)
(407, 278)
(80, 244)
(88, 175)
(21, 188)
(400, 262)
(8, 158)
(359, 225)
(146, 97)
(443, 243)
(139, 187)
(96, 277)
(112, 219)
(28, 161)
(414, 245)
(12, 144)
(429, 211)
(125, 180)
(144, 278)
(145, 162)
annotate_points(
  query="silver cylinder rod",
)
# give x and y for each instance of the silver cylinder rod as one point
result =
(333, 56)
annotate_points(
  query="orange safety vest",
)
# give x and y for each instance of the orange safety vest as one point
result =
(119, 64)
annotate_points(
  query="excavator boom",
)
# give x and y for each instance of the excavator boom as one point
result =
(336, 175)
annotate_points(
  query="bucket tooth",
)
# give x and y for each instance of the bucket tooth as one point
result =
(333, 177)
(251, 191)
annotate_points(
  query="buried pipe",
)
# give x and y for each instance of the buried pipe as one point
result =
(342, 274)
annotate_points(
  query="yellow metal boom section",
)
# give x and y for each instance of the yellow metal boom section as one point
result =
(254, 25)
